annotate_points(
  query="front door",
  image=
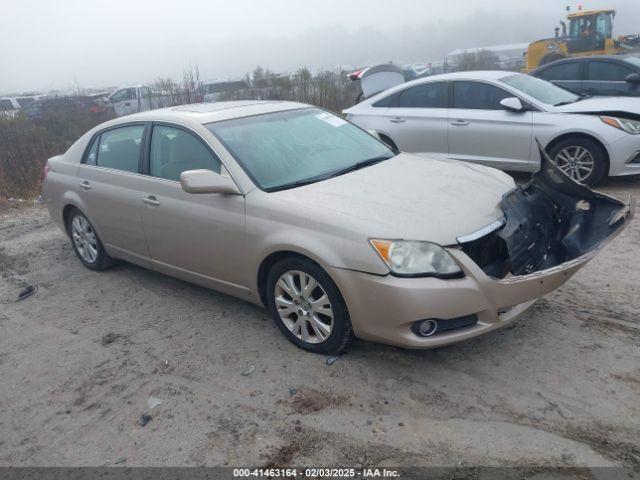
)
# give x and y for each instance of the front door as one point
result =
(200, 233)
(483, 131)
(124, 101)
(609, 78)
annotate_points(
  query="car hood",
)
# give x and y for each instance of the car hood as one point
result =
(407, 197)
(602, 105)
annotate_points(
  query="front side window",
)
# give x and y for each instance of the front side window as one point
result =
(607, 72)
(478, 96)
(541, 90)
(428, 95)
(25, 101)
(120, 148)
(174, 151)
(564, 71)
(124, 94)
(287, 149)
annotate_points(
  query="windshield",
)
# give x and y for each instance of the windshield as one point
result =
(286, 149)
(541, 90)
(633, 61)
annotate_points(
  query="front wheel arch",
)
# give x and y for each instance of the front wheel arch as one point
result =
(566, 136)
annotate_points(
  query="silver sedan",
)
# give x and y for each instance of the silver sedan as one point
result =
(492, 118)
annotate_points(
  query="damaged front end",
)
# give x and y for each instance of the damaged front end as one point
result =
(548, 221)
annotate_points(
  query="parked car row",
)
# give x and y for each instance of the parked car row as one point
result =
(335, 232)
(42, 106)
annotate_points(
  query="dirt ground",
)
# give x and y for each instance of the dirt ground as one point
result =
(80, 359)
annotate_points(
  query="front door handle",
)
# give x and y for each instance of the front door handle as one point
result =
(151, 200)
(460, 123)
(85, 185)
(397, 120)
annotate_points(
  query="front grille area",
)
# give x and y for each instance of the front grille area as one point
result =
(490, 253)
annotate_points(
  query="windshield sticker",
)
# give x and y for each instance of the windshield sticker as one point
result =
(331, 119)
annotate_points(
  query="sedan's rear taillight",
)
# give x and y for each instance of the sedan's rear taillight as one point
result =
(47, 169)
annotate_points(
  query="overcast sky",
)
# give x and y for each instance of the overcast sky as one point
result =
(47, 44)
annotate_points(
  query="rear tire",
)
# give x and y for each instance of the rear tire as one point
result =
(551, 57)
(581, 158)
(314, 318)
(86, 243)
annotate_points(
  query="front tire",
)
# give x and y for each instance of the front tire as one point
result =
(86, 243)
(581, 158)
(307, 306)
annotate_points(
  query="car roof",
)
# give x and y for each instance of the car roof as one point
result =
(204, 113)
(472, 75)
(615, 58)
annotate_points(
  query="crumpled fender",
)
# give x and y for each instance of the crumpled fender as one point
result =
(553, 219)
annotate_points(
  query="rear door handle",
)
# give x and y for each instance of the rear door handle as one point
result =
(397, 120)
(151, 200)
(459, 123)
(85, 185)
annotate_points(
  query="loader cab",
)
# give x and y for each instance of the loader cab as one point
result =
(589, 31)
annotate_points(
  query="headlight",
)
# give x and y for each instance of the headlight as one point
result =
(629, 126)
(409, 258)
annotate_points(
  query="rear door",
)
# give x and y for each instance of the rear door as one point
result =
(416, 119)
(605, 77)
(201, 233)
(567, 75)
(482, 131)
(109, 187)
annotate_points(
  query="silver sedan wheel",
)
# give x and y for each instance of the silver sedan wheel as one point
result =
(577, 162)
(304, 306)
(84, 238)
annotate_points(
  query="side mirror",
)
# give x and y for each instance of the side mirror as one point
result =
(633, 78)
(206, 181)
(512, 104)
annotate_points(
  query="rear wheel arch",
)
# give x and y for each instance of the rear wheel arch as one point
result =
(66, 211)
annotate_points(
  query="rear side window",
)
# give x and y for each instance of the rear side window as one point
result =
(428, 95)
(607, 72)
(478, 96)
(174, 151)
(564, 71)
(389, 101)
(91, 157)
(120, 148)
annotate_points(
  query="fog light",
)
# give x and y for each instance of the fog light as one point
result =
(426, 328)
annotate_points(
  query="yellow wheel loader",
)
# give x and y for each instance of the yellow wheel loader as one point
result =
(589, 32)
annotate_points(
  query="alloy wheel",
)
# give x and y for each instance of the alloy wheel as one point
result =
(303, 306)
(84, 239)
(575, 161)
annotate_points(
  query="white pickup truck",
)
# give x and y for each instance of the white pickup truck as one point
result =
(133, 99)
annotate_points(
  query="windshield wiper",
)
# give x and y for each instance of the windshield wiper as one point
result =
(569, 102)
(359, 165)
(325, 176)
